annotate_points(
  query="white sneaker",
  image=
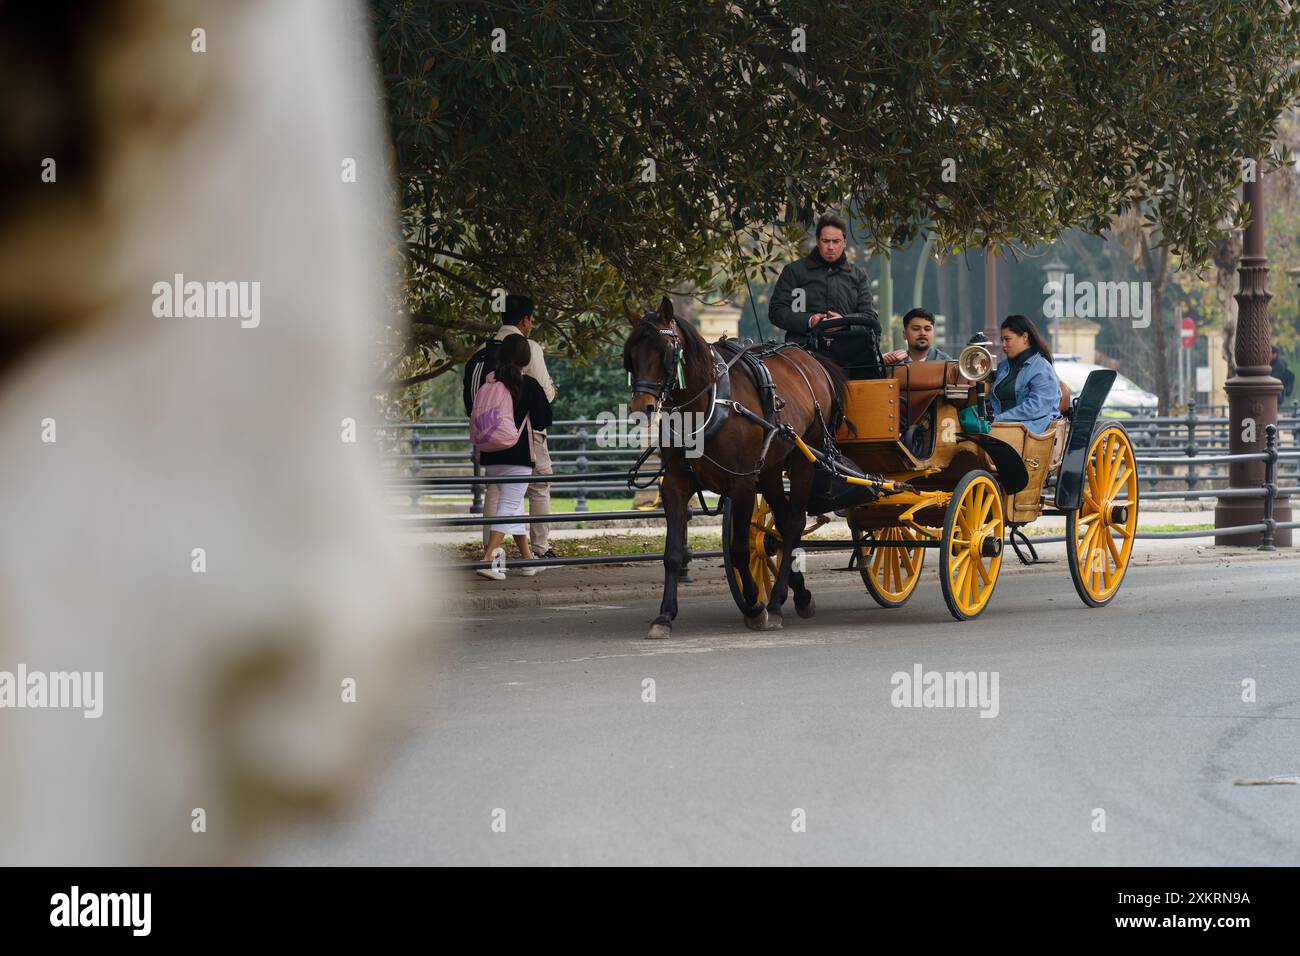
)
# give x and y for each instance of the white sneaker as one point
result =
(497, 571)
(530, 572)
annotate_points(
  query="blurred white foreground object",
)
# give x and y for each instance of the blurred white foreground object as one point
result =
(199, 531)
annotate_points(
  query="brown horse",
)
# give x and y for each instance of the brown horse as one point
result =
(673, 370)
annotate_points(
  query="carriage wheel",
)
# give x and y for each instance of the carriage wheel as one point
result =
(1099, 533)
(764, 552)
(890, 574)
(970, 553)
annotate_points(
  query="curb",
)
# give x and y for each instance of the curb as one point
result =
(715, 584)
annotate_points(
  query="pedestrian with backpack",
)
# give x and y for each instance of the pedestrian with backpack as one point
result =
(506, 410)
(518, 321)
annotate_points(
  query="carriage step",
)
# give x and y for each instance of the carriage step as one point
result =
(1012, 535)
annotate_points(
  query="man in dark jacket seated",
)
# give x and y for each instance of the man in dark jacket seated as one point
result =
(821, 286)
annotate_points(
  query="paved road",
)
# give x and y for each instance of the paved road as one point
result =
(1136, 710)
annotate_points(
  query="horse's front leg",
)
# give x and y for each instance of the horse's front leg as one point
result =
(789, 518)
(801, 478)
(676, 497)
(742, 512)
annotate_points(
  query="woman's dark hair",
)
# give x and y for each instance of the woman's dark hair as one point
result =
(1021, 326)
(512, 356)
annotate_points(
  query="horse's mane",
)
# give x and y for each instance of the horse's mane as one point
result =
(839, 382)
(697, 349)
(699, 356)
(642, 330)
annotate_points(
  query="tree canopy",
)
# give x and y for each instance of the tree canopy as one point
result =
(589, 152)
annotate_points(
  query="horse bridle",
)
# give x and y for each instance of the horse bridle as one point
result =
(674, 365)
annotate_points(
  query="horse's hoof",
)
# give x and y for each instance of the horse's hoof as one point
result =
(758, 622)
(806, 610)
(659, 632)
(775, 621)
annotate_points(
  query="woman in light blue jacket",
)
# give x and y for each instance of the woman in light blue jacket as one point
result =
(1025, 386)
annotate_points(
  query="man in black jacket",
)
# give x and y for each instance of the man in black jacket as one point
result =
(824, 286)
(1282, 372)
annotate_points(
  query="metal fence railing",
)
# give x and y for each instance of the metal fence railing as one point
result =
(1278, 465)
(1178, 452)
(415, 453)
(1187, 450)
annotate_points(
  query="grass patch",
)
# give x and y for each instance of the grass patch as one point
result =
(602, 546)
(593, 504)
(612, 545)
(557, 504)
(1037, 531)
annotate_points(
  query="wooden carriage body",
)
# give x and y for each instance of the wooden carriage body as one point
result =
(929, 485)
(907, 427)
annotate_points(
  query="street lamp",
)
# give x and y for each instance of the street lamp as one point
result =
(1055, 272)
(1252, 391)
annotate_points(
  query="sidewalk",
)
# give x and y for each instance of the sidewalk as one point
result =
(1148, 516)
(560, 587)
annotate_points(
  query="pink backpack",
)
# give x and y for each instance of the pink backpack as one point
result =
(492, 422)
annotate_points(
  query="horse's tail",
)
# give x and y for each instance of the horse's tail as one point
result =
(839, 384)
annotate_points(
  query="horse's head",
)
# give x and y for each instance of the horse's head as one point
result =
(653, 355)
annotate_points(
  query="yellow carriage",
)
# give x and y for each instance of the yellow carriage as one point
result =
(910, 478)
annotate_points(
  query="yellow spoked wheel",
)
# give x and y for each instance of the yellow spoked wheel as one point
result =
(1099, 533)
(890, 573)
(764, 552)
(970, 552)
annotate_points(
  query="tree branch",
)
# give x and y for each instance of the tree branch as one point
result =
(415, 379)
(423, 318)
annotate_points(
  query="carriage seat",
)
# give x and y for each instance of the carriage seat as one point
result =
(920, 384)
(1042, 454)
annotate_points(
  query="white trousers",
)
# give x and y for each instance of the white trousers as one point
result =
(538, 497)
(510, 497)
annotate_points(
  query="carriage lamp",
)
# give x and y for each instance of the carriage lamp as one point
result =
(975, 362)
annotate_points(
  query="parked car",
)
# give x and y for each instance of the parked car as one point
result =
(1125, 396)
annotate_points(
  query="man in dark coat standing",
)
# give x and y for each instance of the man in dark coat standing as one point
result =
(823, 285)
(1282, 372)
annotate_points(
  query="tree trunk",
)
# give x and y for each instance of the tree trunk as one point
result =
(952, 331)
(965, 329)
(1161, 346)
(1227, 257)
(1159, 286)
(1004, 289)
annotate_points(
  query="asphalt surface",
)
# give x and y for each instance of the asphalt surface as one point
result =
(1135, 710)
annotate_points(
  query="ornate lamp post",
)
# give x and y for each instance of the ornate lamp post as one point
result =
(1252, 391)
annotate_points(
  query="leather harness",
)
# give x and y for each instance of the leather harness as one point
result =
(727, 353)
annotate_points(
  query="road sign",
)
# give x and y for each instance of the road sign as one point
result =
(1204, 380)
(1189, 332)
